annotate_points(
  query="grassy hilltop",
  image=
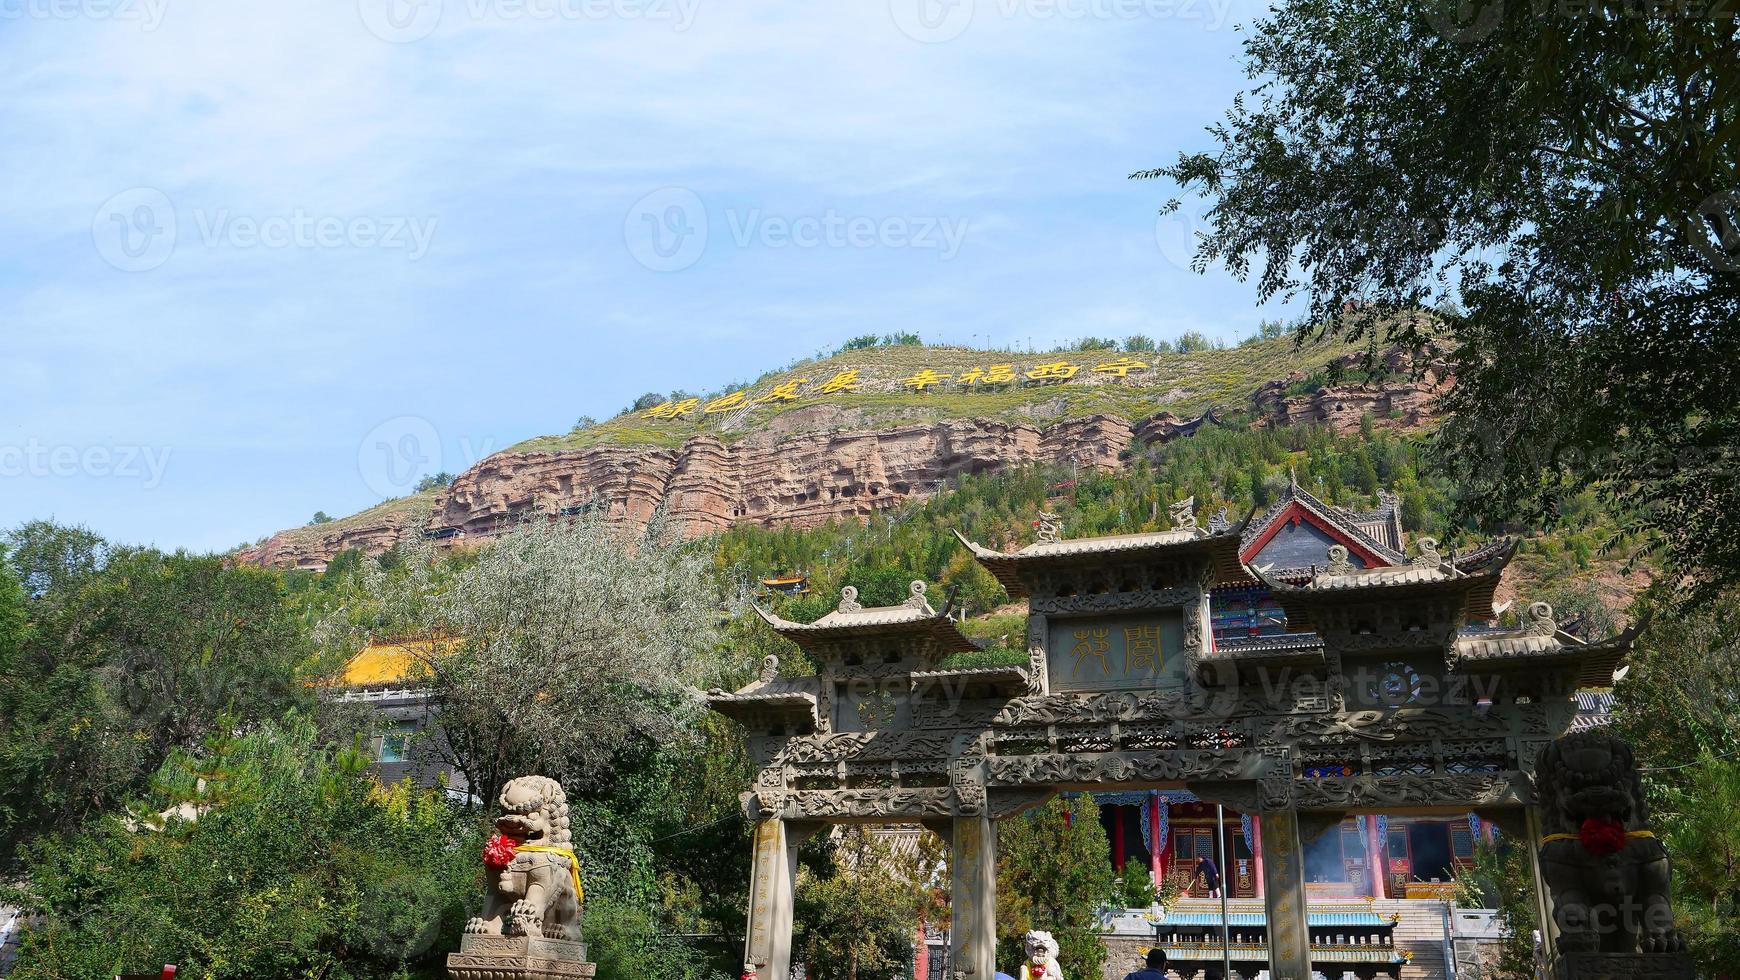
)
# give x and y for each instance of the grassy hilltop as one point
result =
(1185, 384)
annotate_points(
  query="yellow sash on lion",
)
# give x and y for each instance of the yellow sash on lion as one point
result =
(573, 863)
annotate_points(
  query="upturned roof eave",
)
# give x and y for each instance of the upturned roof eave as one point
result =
(1222, 547)
(815, 638)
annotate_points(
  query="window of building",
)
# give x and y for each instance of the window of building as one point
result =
(396, 742)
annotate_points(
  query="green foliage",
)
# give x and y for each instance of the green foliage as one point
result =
(436, 481)
(1136, 888)
(362, 883)
(870, 340)
(320, 517)
(1502, 879)
(1230, 466)
(128, 661)
(1191, 342)
(1703, 839)
(1054, 873)
(1540, 195)
(1680, 707)
(52, 559)
(857, 916)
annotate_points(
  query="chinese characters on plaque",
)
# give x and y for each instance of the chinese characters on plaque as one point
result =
(1136, 652)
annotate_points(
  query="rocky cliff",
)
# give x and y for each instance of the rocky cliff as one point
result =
(874, 448)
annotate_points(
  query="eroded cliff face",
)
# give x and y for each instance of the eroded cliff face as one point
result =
(805, 469)
(770, 478)
(310, 548)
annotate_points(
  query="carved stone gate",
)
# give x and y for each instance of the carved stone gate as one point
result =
(1389, 680)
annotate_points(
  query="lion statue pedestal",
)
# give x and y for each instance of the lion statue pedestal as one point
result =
(530, 926)
(1606, 873)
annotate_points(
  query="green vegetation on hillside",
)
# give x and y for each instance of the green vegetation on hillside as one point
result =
(1185, 384)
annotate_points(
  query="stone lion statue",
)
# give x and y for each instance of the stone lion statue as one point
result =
(1041, 957)
(534, 877)
(1606, 872)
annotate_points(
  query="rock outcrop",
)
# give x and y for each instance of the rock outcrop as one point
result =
(801, 480)
(818, 463)
(1403, 403)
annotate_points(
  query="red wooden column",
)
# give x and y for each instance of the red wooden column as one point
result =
(1118, 852)
(1257, 850)
(1374, 857)
(1158, 847)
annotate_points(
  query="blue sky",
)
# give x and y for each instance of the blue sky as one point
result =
(244, 245)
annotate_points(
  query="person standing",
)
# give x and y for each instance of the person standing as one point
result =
(1156, 968)
(1210, 875)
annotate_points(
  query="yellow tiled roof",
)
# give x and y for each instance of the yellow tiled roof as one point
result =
(383, 662)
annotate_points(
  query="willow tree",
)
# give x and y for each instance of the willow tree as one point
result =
(554, 648)
(1560, 183)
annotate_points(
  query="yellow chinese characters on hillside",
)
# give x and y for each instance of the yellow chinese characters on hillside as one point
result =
(923, 380)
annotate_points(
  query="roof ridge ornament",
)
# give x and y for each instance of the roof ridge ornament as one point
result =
(1429, 556)
(1183, 514)
(1338, 561)
(915, 595)
(1220, 523)
(849, 600)
(1540, 621)
(1050, 528)
(769, 669)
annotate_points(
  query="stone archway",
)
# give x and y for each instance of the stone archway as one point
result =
(1126, 688)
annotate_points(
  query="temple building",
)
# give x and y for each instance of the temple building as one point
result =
(1395, 857)
(384, 676)
(1376, 857)
(1343, 713)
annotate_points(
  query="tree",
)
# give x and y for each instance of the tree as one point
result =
(435, 481)
(1704, 840)
(651, 399)
(1054, 873)
(858, 913)
(320, 517)
(295, 863)
(553, 649)
(52, 559)
(1568, 182)
(1191, 342)
(128, 663)
(1679, 706)
(1502, 878)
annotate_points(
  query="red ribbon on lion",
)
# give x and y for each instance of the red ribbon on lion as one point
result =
(1602, 837)
(498, 851)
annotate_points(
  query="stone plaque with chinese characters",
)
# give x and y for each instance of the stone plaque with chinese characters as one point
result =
(1142, 651)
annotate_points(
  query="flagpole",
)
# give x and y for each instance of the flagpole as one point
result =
(1225, 929)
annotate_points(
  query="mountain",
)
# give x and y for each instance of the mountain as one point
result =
(868, 429)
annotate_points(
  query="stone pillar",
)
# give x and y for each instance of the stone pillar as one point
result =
(1284, 897)
(1257, 851)
(973, 861)
(772, 882)
(1376, 850)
